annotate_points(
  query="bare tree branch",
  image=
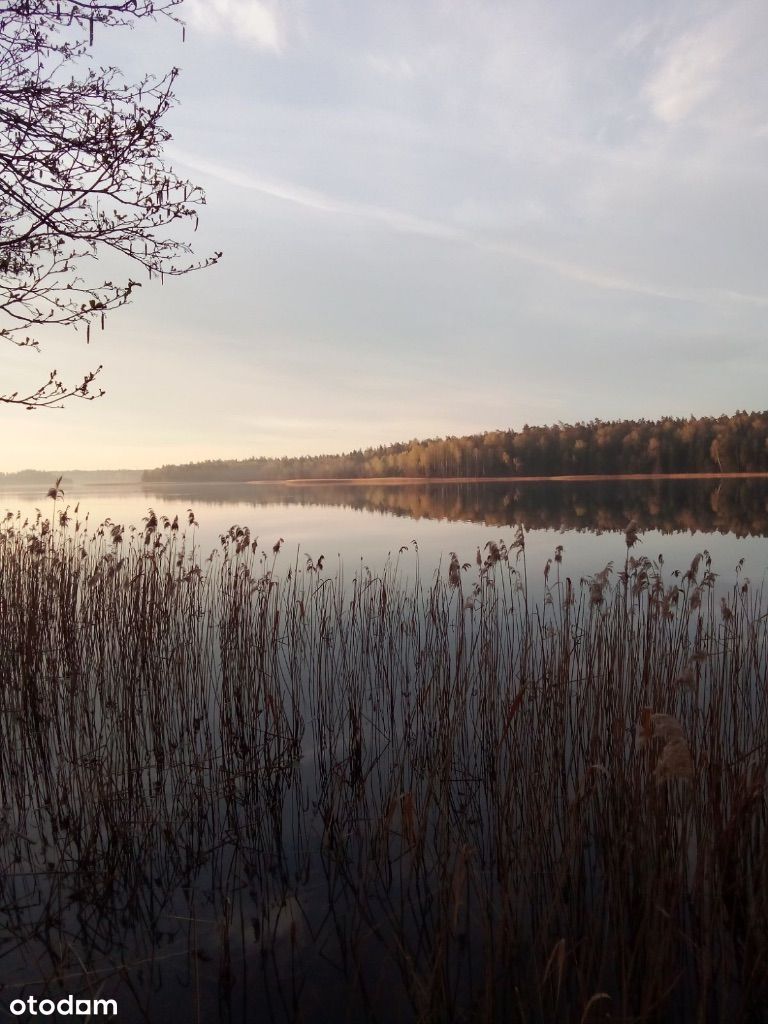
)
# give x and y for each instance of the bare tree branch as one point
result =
(82, 174)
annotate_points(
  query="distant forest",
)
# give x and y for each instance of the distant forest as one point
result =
(728, 444)
(71, 476)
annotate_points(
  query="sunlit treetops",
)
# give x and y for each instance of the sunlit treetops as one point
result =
(727, 444)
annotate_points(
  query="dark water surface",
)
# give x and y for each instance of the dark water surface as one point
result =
(239, 815)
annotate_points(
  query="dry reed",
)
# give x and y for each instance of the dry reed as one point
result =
(276, 791)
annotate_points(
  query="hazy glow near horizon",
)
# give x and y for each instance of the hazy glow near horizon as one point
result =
(436, 218)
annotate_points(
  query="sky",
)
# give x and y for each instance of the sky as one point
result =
(437, 217)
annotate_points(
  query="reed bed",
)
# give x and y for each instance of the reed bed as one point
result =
(239, 786)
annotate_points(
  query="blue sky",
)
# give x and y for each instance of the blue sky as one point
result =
(437, 217)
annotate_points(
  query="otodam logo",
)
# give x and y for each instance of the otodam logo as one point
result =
(66, 1007)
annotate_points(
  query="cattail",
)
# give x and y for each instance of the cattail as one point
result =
(675, 761)
(631, 533)
(694, 569)
(494, 555)
(454, 571)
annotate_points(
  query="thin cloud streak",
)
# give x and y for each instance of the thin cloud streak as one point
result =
(402, 222)
(405, 223)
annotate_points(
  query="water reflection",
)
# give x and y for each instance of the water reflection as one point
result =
(228, 796)
(736, 506)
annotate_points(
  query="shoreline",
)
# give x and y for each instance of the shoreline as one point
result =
(575, 478)
(395, 480)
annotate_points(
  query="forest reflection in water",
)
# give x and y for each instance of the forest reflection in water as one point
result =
(245, 787)
(723, 505)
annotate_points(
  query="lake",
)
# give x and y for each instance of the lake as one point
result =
(244, 789)
(359, 521)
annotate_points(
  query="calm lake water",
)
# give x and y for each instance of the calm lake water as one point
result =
(191, 828)
(354, 522)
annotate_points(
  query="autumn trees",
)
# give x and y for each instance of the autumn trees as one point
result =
(737, 443)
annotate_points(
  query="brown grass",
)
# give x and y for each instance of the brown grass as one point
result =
(279, 791)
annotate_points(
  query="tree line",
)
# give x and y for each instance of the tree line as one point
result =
(727, 444)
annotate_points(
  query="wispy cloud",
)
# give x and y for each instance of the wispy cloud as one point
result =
(252, 21)
(690, 71)
(312, 199)
(406, 223)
